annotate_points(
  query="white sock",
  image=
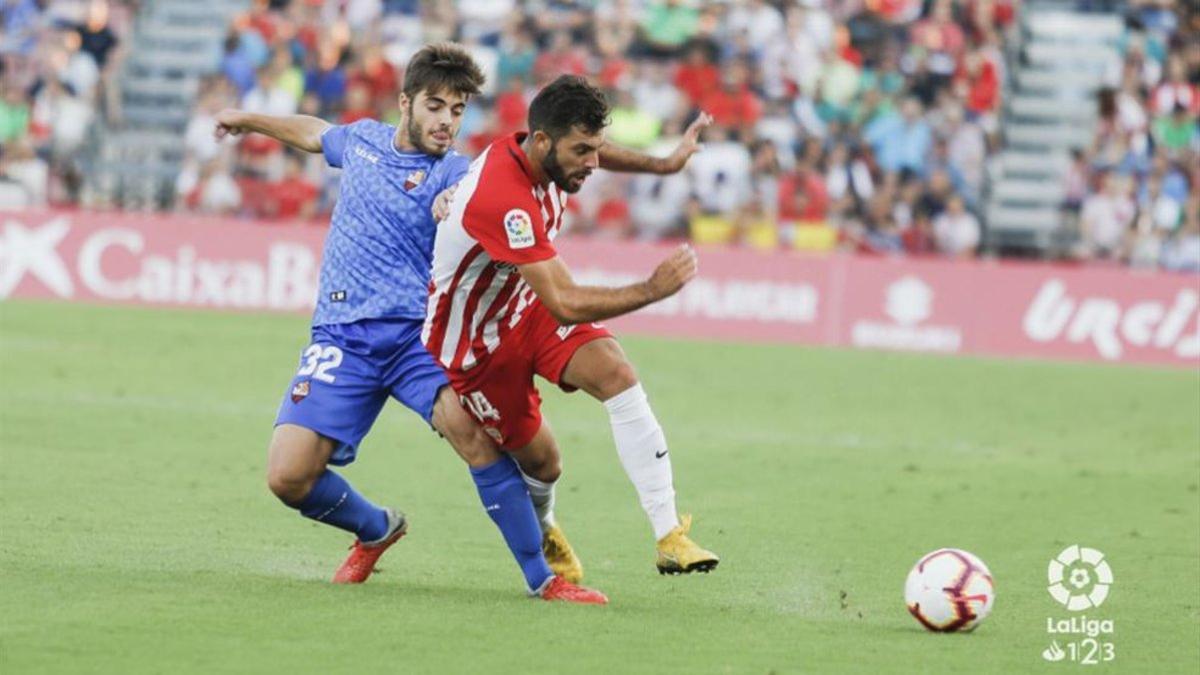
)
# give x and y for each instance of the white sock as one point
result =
(643, 452)
(542, 495)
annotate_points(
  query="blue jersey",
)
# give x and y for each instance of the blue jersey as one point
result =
(380, 243)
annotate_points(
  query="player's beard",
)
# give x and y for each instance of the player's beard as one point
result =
(417, 138)
(554, 170)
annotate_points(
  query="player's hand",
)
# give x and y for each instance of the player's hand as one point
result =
(228, 124)
(690, 144)
(671, 274)
(441, 204)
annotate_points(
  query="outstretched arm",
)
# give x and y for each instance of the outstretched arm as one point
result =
(572, 304)
(299, 131)
(616, 158)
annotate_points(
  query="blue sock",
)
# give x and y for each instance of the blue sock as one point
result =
(506, 499)
(334, 502)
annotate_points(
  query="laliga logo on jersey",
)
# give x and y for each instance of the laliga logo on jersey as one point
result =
(414, 179)
(907, 302)
(1079, 578)
(519, 228)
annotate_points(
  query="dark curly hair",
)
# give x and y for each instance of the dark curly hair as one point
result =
(566, 103)
(444, 66)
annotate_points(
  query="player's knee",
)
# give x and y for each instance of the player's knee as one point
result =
(546, 468)
(290, 475)
(616, 373)
(551, 470)
(289, 486)
(620, 377)
(296, 458)
(477, 448)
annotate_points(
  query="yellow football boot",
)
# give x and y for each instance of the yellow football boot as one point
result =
(561, 556)
(677, 554)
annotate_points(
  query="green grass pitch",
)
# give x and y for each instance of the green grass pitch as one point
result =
(137, 534)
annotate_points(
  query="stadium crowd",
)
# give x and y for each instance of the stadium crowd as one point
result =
(1136, 189)
(58, 61)
(859, 124)
(849, 124)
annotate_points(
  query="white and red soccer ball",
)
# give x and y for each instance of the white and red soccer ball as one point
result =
(949, 590)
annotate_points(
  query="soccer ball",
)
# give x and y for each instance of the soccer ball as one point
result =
(949, 590)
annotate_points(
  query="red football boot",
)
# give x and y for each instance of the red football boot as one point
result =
(361, 561)
(559, 588)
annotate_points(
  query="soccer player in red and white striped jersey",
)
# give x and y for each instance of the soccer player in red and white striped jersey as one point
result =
(503, 307)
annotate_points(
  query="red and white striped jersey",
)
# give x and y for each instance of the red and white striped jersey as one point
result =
(499, 218)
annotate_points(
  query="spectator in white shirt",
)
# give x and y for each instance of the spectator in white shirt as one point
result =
(721, 174)
(654, 93)
(219, 193)
(956, 230)
(757, 19)
(967, 149)
(1106, 218)
(67, 116)
(198, 140)
(21, 165)
(267, 98)
(1182, 251)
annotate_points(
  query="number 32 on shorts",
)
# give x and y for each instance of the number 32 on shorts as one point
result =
(319, 360)
(480, 407)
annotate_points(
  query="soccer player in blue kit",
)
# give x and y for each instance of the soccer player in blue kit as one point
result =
(366, 330)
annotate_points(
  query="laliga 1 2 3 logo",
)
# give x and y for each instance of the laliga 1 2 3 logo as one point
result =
(1079, 578)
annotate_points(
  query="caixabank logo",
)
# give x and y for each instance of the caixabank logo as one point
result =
(141, 263)
(1080, 579)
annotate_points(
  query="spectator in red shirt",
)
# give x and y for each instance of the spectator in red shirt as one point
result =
(939, 35)
(733, 105)
(1176, 90)
(978, 80)
(697, 76)
(358, 104)
(562, 58)
(918, 237)
(379, 77)
(295, 196)
(895, 11)
(306, 20)
(802, 196)
(260, 20)
(612, 214)
(511, 107)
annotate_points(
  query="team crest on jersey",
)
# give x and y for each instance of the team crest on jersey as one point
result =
(564, 331)
(414, 179)
(300, 391)
(519, 228)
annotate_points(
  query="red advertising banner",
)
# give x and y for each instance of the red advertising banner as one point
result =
(1004, 309)
(159, 260)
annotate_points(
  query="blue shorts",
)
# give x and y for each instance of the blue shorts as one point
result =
(347, 373)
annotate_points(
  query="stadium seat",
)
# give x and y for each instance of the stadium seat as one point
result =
(712, 229)
(815, 236)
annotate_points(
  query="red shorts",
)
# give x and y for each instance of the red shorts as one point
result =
(499, 390)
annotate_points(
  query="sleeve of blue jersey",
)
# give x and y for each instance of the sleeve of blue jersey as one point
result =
(333, 144)
(454, 167)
